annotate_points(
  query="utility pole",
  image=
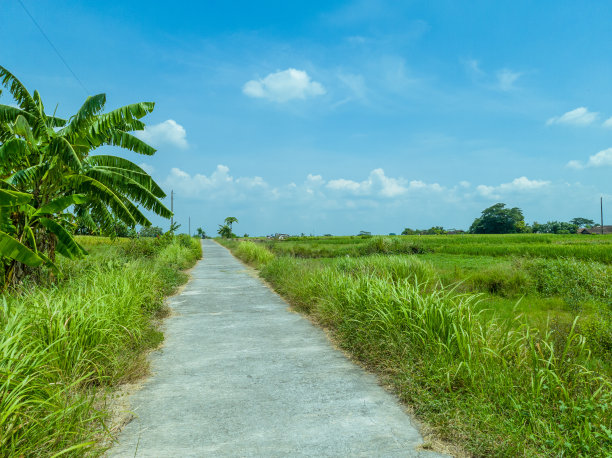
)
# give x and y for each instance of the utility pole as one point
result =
(172, 208)
(601, 209)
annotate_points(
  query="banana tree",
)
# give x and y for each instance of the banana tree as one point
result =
(49, 160)
(225, 231)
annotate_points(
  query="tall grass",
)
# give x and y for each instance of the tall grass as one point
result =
(63, 343)
(253, 253)
(499, 387)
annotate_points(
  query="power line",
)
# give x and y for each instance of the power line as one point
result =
(53, 46)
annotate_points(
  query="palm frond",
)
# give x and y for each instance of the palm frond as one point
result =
(97, 190)
(13, 198)
(60, 204)
(8, 114)
(130, 142)
(85, 116)
(12, 152)
(27, 177)
(127, 167)
(14, 249)
(17, 90)
(62, 148)
(101, 217)
(131, 189)
(66, 245)
(125, 114)
(22, 127)
(53, 121)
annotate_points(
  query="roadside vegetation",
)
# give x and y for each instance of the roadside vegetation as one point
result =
(66, 344)
(502, 343)
(74, 326)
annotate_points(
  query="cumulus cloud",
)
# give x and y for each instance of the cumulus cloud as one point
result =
(579, 117)
(522, 184)
(575, 165)
(283, 86)
(219, 184)
(608, 123)
(378, 184)
(167, 133)
(506, 79)
(600, 159)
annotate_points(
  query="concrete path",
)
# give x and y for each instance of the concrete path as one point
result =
(241, 375)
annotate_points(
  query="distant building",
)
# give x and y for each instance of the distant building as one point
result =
(595, 230)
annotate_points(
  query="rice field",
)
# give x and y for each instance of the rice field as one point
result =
(586, 247)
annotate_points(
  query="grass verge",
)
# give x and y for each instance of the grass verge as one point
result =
(63, 343)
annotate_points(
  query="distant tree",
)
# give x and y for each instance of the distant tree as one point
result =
(392, 233)
(120, 229)
(200, 233)
(408, 231)
(246, 236)
(435, 230)
(499, 220)
(582, 222)
(151, 231)
(554, 227)
(364, 233)
(173, 228)
(230, 220)
(225, 231)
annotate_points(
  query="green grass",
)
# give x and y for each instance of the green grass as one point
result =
(64, 343)
(500, 378)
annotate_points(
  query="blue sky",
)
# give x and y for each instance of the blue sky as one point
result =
(335, 117)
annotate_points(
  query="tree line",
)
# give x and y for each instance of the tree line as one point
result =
(498, 219)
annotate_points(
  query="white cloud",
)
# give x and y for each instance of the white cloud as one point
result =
(147, 167)
(575, 165)
(220, 184)
(167, 133)
(603, 158)
(600, 159)
(522, 184)
(379, 185)
(608, 123)
(283, 86)
(579, 117)
(506, 79)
